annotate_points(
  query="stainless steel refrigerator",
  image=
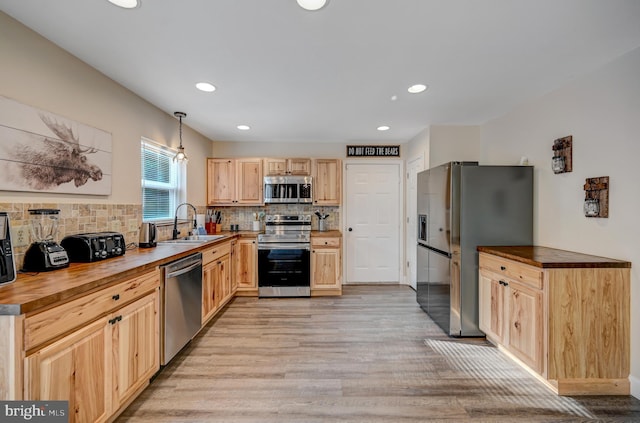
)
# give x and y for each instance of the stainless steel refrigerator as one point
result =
(462, 205)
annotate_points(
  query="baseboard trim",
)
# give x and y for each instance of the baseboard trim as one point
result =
(635, 386)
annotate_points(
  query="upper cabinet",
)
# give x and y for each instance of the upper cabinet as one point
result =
(281, 167)
(234, 182)
(327, 181)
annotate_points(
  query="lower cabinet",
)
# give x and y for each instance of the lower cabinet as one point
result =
(99, 367)
(77, 369)
(216, 280)
(511, 315)
(246, 267)
(326, 266)
(567, 321)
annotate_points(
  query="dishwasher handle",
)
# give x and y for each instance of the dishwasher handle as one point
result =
(183, 270)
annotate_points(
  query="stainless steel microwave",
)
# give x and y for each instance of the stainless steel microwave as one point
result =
(288, 189)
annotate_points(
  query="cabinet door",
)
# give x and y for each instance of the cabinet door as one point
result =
(301, 167)
(491, 310)
(224, 279)
(221, 181)
(246, 264)
(327, 182)
(525, 324)
(275, 167)
(136, 346)
(209, 293)
(77, 369)
(325, 268)
(249, 181)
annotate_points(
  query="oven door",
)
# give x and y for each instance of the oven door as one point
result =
(284, 270)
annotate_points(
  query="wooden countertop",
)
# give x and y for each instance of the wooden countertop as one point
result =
(329, 234)
(32, 291)
(546, 257)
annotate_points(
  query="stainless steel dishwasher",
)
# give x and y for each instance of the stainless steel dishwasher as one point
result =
(182, 303)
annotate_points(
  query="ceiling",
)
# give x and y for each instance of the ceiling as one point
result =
(330, 75)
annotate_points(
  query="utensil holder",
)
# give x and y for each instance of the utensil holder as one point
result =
(256, 226)
(322, 225)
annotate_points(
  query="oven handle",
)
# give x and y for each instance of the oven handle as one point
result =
(284, 246)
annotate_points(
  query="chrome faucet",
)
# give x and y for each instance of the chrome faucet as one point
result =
(176, 232)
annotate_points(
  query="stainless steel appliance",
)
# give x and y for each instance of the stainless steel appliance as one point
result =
(44, 253)
(94, 246)
(288, 189)
(147, 235)
(284, 256)
(182, 301)
(7, 261)
(462, 205)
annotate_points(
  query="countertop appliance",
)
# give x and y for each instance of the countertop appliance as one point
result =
(44, 253)
(94, 246)
(284, 256)
(462, 205)
(288, 189)
(7, 261)
(148, 235)
(182, 304)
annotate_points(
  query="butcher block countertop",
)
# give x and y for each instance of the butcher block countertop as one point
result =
(546, 257)
(33, 291)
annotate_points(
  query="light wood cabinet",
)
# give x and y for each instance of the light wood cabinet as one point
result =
(216, 279)
(76, 368)
(246, 267)
(327, 182)
(512, 315)
(135, 334)
(99, 366)
(326, 266)
(234, 182)
(565, 316)
(281, 167)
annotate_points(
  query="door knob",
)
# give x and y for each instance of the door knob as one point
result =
(350, 229)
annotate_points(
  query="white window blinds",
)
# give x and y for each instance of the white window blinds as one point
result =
(161, 181)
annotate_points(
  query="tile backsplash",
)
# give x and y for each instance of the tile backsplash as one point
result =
(127, 218)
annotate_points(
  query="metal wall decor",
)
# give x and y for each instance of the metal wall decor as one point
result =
(562, 160)
(596, 197)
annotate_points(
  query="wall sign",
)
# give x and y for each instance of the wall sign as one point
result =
(373, 151)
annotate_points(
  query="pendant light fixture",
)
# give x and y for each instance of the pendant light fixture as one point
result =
(180, 156)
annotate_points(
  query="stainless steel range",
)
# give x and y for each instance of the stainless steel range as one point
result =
(284, 256)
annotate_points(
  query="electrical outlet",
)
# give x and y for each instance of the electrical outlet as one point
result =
(132, 225)
(115, 226)
(20, 236)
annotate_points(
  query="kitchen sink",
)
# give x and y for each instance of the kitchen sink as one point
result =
(192, 239)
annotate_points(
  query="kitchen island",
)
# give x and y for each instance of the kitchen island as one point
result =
(563, 315)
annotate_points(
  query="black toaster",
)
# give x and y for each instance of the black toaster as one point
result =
(93, 246)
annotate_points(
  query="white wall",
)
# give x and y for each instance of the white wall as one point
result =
(602, 113)
(36, 72)
(453, 143)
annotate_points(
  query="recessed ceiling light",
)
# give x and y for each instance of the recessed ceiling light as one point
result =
(417, 88)
(243, 127)
(383, 128)
(205, 86)
(394, 97)
(127, 4)
(312, 4)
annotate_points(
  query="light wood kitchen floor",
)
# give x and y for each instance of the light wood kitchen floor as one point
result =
(369, 356)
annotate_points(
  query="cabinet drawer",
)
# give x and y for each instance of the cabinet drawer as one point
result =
(216, 252)
(511, 269)
(58, 320)
(325, 242)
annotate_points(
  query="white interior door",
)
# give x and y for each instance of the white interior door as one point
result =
(413, 167)
(373, 222)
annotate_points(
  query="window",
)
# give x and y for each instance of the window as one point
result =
(163, 186)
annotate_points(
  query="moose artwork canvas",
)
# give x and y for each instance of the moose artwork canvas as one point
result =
(41, 151)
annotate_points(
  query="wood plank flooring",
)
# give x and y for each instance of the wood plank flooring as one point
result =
(371, 355)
